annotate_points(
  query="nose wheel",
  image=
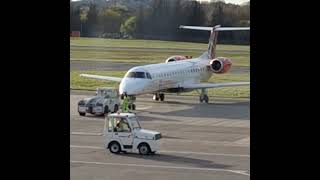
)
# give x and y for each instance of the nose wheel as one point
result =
(204, 98)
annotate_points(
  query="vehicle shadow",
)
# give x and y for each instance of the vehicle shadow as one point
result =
(181, 160)
(147, 118)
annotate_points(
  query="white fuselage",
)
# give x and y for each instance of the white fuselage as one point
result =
(165, 76)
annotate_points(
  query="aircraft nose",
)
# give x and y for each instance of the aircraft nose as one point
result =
(128, 87)
(131, 86)
(123, 88)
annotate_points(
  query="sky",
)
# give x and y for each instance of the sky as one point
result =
(227, 1)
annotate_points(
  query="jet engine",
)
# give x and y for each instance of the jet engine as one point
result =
(175, 58)
(220, 65)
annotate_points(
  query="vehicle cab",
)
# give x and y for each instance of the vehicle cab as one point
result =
(123, 133)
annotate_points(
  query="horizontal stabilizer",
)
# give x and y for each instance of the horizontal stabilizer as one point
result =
(216, 28)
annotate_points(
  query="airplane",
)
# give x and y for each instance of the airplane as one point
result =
(177, 74)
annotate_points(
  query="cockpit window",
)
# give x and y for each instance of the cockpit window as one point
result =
(139, 75)
(136, 75)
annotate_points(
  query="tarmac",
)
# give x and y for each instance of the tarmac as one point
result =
(200, 141)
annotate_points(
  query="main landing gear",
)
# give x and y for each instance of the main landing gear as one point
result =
(132, 106)
(158, 96)
(204, 96)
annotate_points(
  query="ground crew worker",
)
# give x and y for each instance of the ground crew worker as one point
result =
(122, 126)
(125, 103)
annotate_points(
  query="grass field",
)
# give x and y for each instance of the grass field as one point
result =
(153, 52)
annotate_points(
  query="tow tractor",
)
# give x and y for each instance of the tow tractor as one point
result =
(106, 100)
(123, 133)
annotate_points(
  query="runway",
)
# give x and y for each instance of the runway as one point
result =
(200, 141)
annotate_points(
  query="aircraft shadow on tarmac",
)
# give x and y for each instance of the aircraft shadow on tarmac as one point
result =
(210, 103)
(238, 110)
(199, 163)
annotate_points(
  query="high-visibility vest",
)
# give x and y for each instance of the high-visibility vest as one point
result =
(125, 104)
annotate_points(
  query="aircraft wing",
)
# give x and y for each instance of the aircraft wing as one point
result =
(215, 85)
(108, 78)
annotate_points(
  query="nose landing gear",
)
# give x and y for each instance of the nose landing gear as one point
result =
(132, 106)
(204, 96)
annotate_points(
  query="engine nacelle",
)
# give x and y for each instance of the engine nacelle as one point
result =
(220, 65)
(176, 58)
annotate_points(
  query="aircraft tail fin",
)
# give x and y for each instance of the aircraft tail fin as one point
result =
(213, 35)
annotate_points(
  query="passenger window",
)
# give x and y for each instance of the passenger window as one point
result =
(110, 124)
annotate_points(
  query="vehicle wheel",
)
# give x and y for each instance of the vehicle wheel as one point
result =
(82, 114)
(115, 148)
(116, 108)
(130, 106)
(144, 149)
(133, 107)
(206, 98)
(106, 110)
(161, 97)
(201, 99)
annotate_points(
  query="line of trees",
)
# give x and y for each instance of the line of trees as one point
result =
(160, 19)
